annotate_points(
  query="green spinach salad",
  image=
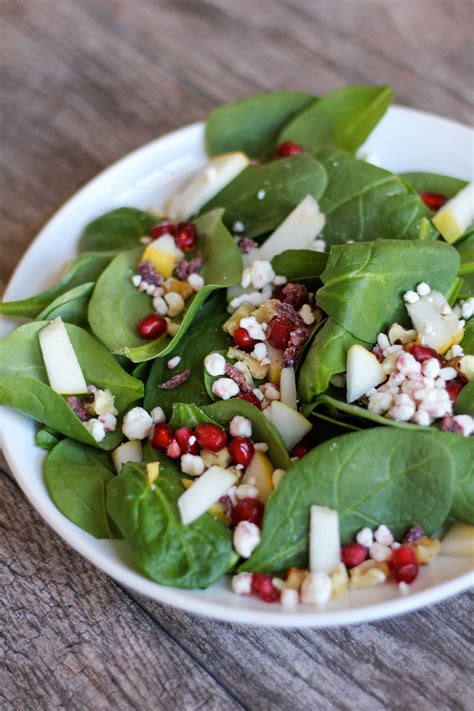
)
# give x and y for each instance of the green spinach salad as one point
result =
(271, 376)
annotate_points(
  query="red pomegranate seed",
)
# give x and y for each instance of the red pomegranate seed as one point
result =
(278, 332)
(433, 200)
(404, 565)
(162, 228)
(174, 450)
(250, 397)
(161, 436)
(248, 510)
(153, 326)
(353, 554)
(302, 447)
(454, 387)
(243, 340)
(406, 573)
(262, 585)
(186, 236)
(422, 353)
(211, 437)
(288, 148)
(182, 436)
(241, 450)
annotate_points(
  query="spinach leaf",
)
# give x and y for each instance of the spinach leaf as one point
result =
(252, 124)
(188, 415)
(465, 248)
(281, 185)
(189, 557)
(343, 118)
(468, 340)
(363, 203)
(116, 307)
(24, 383)
(364, 283)
(372, 477)
(300, 264)
(462, 453)
(205, 335)
(47, 438)
(117, 230)
(84, 269)
(76, 477)
(71, 306)
(465, 400)
(434, 183)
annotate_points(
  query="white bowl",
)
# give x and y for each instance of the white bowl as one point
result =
(405, 140)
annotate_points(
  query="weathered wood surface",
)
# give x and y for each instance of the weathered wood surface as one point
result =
(83, 83)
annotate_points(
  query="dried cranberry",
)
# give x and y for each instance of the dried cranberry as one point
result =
(186, 236)
(251, 398)
(353, 554)
(433, 200)
(404, 565)
(414, 534)
(288, 148)
(161, 436)
(241, 450)
(162, 228)
(248, 510)
(182, 436)
(153, 326)
(422, 353)
(278, 332)
(302, 447)
(210, 436)
(262, 585)
(243, 340)
(454, 387)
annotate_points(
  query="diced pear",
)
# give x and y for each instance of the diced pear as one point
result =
(259, 473)
(291, 424)
(435, 329)
(276, 365)
(288, 388)
(459, 540)
(153, 471)
(163, 253)
(219, 173)
(466, 366)
(62, 366)
(127, 452)
(453, 219)
(297, 231)
(324, 540)
(204, 493)
(364, 372)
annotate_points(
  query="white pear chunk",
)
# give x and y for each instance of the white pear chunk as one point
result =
(297, 231)
(456, 215)
(259, 473)
(324, 540)
(288, 388)
(276, 365)
(127, 452)
(291, 424)
(459, 540)
(219, 173)
(62, 366)
(436, 324)
(364, 372)
(466, 366)
(204, 493)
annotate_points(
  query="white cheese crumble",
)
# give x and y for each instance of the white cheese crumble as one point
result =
(225, 388)
(259, 275)
(158, 415)
(259, 352)
(192, 464)
(240, 427)
(383, 535)
(316, 588)
(214, 364)
(173, 362)
(423, 289)
(289, 597)
(365, 537)
(137, 423)
(96, 429)
(246, 538)
(411, 297)
(196, 282)
(160, 305)
(261, 194)
(253, 328)
(241, 584)
(306, 314)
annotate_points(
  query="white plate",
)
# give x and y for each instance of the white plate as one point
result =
(404, 140)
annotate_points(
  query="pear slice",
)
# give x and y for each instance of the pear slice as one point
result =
(297, 231)
(435, 329)
(276, 365)
(163, 253)
(219, 173)
(127, 452)
(62, 366)
(364, 372)
(291, 424)
(453, 219)
(459, 540)
(324, 540)
(288, 388)
(205, 491)
(259, 473)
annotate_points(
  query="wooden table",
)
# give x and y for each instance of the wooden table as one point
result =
(85, 82)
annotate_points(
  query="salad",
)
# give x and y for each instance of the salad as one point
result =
(269, 377)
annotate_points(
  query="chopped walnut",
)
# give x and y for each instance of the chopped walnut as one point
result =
(426, 549)
(180, 287)
(257, 370)
(232, 323)
(340, 581)
(295, 577)
(367, 574)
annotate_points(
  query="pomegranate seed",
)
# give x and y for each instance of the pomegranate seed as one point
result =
(182, 436)
(241, 450)
(454, 387)
(186, 236)
(288, 148)
(251, 398)
(433, 200)
(162, 228)
(302, 447)
(153, 326)
(404, 565)
(243, 340)
(174, 450)
(161, 436)
(353, 554)
(278, 332)
(422, 353)
(406, 574)
(262, 585)
(248, 510)
(211, 437)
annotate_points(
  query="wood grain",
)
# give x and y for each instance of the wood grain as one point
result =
(84, 82)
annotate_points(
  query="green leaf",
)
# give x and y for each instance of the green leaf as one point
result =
(71, 306)
(76, 477)
(281, 184)
(117, 230)
(117, 307)
(188, 415)
(300, 264)
(189, 557)
(364, 283)
(462, 454)
(465, 400)
(84, 269)
(252, 124)
(343, 118)
(377, 476)
(47, 438)
(465, 248)
(363, 203)
(468, 339)
(434, 183)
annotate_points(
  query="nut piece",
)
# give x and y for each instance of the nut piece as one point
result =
(426, 549)
(257, 370)
(180, 287)
(367, 574)
(232, 323)
(295, 578)
(340, 581)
